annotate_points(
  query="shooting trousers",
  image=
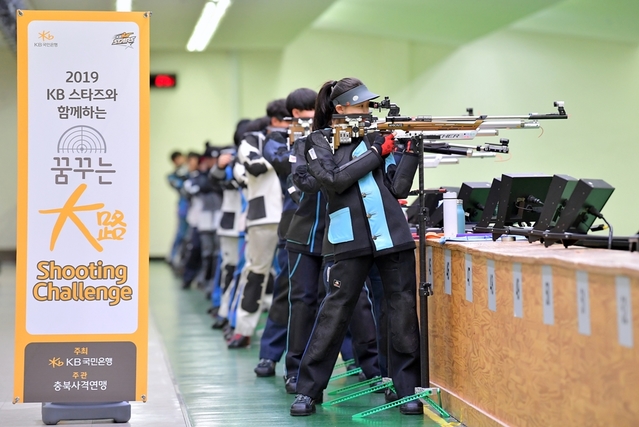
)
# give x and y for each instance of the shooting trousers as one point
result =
(346, 278)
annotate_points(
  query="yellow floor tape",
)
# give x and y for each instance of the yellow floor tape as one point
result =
(439, 420)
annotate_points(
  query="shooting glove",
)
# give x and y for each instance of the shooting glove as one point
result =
(385, 145)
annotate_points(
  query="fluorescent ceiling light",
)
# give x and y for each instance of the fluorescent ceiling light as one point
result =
(207, 24)
(123, 5)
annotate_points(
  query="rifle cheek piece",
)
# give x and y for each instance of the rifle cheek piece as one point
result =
(343, 133)
(298, 128)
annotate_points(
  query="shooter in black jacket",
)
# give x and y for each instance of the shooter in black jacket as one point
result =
(366, 227)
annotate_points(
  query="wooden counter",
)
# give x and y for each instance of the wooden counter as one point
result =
(556, 345)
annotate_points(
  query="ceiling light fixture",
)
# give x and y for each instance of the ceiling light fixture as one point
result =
(207, 24)
(123, 5)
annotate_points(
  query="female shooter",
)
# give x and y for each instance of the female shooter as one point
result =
(366, 227)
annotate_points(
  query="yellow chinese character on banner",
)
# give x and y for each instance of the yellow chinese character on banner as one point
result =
(113, 225)
(68, 212)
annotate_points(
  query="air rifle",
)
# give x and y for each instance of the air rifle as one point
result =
(298, 128)
(435, 128)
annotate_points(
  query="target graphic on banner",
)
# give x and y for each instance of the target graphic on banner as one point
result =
(81, 139)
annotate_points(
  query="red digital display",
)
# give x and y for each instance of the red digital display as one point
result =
(163, 81)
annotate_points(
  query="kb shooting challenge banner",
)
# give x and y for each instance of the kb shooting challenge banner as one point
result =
(83, 189)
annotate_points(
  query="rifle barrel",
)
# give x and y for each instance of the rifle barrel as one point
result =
(487, 132)
(509, 124)
(532, 116)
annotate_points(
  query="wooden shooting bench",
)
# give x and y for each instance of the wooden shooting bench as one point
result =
(558, 348)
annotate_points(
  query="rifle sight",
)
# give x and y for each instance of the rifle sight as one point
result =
(393, 109)
(560, 106)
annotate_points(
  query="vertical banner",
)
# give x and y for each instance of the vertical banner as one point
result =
(83, 196)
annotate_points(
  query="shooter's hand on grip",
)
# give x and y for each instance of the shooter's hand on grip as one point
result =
(385, 145)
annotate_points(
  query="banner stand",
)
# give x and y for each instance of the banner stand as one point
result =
(81, 330)
(53, 413)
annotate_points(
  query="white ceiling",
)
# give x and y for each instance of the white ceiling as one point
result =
(272, 24)
(247, 24)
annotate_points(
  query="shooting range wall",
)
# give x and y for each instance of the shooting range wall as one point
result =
(496, 369)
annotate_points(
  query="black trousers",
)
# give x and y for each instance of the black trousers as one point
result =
(192, 260)
(210, 251)
(273, 341)
(397, 271)
(362, 328)
(305, 294)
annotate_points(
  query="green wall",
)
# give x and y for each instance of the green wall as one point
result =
(8, 150)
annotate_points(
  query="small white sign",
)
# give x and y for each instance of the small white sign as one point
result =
(448, 273)
(518, 293)
(547, 295)
(624, 311)
(492, 285)
(469, 277)
(583, 303)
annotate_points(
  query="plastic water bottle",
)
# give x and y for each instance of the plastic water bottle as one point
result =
(461, 217)
(450, 214)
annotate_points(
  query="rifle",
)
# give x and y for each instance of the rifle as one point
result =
(436, 128)
(297, 128)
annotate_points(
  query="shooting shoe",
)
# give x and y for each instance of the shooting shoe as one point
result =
(265, 368)
(290, 384)
(304, 405)
(220, 323)
(239, 341)
(377, 383)
(390, 395)
(228, 331)
(414, 407)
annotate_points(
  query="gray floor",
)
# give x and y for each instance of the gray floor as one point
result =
(163, 409)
